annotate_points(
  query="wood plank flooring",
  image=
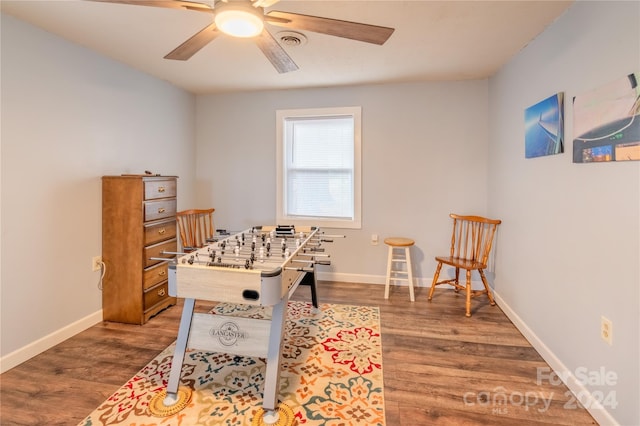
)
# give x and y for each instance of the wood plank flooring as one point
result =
(440, 368)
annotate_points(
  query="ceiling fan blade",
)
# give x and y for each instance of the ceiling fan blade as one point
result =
(264, 3)
(275, 53)
(194, 44)
(335, 27)
(170, 4)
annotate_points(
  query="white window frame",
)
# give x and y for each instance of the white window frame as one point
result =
(282, 217)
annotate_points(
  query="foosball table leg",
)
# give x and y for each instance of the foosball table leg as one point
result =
(270, 413)
(272, 378)
(180, 350)
(174, 399)
(314, 287)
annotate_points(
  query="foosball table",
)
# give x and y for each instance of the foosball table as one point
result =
(261, 266)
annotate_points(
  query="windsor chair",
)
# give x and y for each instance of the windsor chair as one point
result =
(471, 242)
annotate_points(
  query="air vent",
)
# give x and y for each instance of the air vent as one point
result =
(291, 38)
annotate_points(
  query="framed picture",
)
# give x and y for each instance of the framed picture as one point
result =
(543, 127)
(606, 122)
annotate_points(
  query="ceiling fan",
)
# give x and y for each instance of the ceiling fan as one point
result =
(246, 18)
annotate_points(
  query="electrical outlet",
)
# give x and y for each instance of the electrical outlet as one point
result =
(606, 330)
(96, 263)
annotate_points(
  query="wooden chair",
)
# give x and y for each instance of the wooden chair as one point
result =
(471, 243)
(195, 227)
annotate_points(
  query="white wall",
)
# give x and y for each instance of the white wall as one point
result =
(570, 238)
(70, 116)
(424, 155)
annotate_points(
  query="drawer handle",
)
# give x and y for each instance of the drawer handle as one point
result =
(161, 210)
(161, 189)
(161, 231)
(161, 292)
(162, 273)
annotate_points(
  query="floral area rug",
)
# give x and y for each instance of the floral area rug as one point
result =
(331, 374)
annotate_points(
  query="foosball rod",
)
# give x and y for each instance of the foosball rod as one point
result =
(291, 268)
(270, 258)
(270, 262)
(260, 243)
(273, 257)
(314, 239)
(318, 235)
(274, 242)
(274, 249)
(313, 261)
(232, 235)
(244, 254)
(321, 235)
(267, 234)
(241, 258)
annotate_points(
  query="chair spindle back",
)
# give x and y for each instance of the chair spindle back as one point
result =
(472, 237)
(196, 227)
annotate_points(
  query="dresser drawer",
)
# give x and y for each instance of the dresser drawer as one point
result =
(155, 232)
(155, 295)
(156, 251)
(155, 275)
(159, 189)
(154, 210)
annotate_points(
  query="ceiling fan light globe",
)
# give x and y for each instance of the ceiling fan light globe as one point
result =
(239, 23)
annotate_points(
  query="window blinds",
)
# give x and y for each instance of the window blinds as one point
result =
(320, 167)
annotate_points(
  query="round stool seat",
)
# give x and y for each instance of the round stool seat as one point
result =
(399, 242)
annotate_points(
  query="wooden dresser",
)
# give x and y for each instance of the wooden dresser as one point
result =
(138, 223)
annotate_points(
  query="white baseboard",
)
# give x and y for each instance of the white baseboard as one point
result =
(381, 279)
(351, 278)
(599, 413)
(27, 352)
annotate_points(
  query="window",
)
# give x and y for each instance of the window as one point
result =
(319, 167)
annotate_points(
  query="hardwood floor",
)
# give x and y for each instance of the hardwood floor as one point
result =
(439, 367)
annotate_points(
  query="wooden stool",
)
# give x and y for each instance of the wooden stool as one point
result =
(399, 243)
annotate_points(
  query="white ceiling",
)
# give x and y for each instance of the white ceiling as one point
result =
(433, 40)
